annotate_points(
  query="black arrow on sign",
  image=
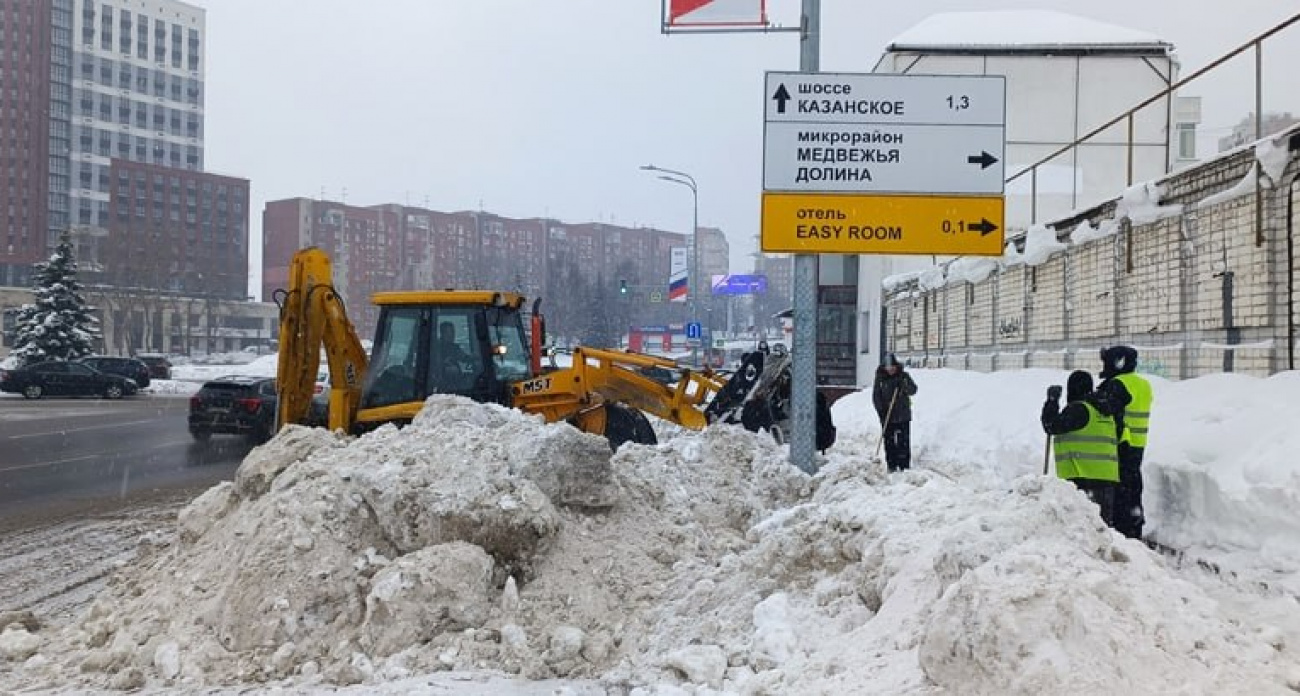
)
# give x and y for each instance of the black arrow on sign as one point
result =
(984, 227)
(984, 159)
(781, 97)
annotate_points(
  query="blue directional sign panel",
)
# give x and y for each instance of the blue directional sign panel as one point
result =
(739, 284)
(694, 330)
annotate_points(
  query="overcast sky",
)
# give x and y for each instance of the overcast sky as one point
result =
(547, 107)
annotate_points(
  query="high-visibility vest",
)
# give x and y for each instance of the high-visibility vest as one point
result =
(1091, 452)
(1137, 415)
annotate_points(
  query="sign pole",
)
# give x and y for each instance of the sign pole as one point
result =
(803, 389)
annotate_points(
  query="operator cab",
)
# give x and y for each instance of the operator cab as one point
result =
(446, 343)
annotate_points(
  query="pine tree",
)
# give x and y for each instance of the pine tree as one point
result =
(59, 325)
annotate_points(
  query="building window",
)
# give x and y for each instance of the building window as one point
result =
(1187, 141)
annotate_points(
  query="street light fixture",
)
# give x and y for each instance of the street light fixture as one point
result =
(693, 287)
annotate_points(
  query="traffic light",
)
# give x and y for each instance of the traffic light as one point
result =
(622, 287)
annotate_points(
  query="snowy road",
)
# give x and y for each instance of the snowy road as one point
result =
(61, 456)
(54, 568)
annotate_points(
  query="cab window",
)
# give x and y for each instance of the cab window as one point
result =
(392, 374)
(455, 358)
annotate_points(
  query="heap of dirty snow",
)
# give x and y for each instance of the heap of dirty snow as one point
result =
(482, 541)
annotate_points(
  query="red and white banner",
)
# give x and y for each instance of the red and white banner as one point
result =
(716, 13)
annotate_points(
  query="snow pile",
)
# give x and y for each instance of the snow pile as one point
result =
(1140, 203)
(479, 539)
(932, 278)
(171, 387)
(893, 283)
(1225, 478)
(1086, 232)
(256, 366)
(1041, 244)
(1271, 158)
(1012, 256)
(971, 269)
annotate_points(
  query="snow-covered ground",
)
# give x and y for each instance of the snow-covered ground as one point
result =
(481, 551)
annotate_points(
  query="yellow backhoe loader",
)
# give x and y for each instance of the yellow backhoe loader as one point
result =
(474, 344)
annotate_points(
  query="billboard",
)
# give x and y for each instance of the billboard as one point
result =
(739, 285)
(704, 14)
(678, 287)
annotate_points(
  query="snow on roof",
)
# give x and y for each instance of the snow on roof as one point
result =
(1021, 30)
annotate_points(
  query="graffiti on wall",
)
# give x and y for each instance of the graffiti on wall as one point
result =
(1153, 366)
(1010, 328)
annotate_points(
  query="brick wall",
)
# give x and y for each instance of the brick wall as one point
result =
(1205, 288)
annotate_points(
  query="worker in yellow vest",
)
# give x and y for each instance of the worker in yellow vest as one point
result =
(1129, 397)
(1086, 441)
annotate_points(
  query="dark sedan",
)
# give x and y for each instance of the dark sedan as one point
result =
(58, 378)
(130, 368)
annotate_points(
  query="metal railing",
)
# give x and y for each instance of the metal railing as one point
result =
(1257, 44)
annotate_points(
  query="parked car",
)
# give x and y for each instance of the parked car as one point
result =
(234, 405)
(318, 414)
(60, 378)
(159, 366)
(127, 367)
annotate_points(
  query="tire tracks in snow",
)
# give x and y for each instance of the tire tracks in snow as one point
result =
(55, 570)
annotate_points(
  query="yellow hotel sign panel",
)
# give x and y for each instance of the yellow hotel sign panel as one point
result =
(817, 223)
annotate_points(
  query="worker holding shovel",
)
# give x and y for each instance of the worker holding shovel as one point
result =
(892, 396)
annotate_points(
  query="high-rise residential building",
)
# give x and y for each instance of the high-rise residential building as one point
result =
(83, 83)
(174, 231)
(137, 95)
(394, 247)
(25, 37)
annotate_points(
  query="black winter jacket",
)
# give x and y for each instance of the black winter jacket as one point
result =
(886, 386)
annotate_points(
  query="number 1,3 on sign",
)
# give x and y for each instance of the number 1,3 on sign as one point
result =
(958, 102)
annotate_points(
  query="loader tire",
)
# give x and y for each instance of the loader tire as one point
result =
(626, 424)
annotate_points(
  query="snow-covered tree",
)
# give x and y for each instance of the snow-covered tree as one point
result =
(59, 325)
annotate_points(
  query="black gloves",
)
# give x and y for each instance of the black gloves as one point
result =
(1054, 392)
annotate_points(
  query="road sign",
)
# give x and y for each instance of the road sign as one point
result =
(694, 331)
(714, 13)
(809, 223)
(878, 133)
(876, 138)
(656, 297)
(928, 159)
(735, 284)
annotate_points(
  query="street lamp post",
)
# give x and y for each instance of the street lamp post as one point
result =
(692, 286)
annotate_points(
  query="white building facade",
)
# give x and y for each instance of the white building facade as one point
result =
(1066, 76)
(137, 94)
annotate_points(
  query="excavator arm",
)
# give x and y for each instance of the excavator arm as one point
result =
(601, 381)
(312, 317)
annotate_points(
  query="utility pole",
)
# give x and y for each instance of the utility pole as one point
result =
(803, 390)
